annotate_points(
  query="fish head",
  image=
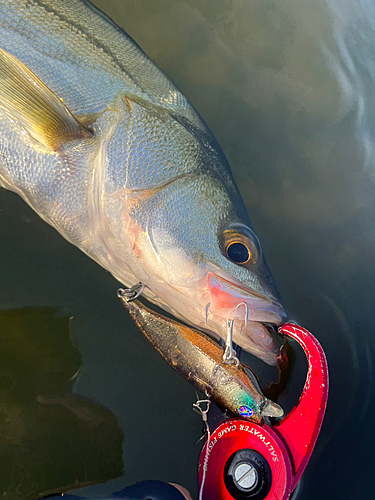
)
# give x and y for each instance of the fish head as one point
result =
(241, 290)
(205, 264)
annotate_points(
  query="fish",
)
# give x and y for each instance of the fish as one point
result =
(199, 359)
(105, 148)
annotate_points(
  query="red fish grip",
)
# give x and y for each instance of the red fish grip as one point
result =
(244, 460)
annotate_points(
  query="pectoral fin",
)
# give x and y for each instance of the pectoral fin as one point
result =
(38, 110)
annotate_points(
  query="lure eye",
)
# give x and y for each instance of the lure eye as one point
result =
(240, 245)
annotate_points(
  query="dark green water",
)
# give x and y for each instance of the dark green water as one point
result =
(287, 88)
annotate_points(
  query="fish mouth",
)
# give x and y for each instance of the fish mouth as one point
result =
(254, 315)
(232, 300)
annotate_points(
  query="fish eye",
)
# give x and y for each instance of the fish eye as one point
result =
(240, 245)
(238, 252)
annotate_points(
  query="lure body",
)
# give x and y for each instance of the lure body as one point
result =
(199, 360)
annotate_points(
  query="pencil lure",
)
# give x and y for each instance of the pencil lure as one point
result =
(199, 360)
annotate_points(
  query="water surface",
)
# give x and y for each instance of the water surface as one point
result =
(287, 89)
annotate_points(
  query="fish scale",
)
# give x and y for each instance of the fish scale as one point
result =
(71, 45)
(150, 147)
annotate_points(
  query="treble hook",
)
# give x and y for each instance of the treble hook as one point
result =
(246, 310)
(229, 356)
(206, 313)
(132, 293)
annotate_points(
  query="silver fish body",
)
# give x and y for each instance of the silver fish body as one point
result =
(200, 361)
(143, 189)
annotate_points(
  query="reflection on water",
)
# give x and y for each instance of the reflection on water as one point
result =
(120, 371)
(50, 439)
(287, 88)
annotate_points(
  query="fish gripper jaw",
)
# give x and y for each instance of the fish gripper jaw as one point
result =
(245, 460)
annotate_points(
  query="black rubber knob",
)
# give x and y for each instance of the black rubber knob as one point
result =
(247, 475)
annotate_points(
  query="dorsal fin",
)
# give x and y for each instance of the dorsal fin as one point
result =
(35, 106)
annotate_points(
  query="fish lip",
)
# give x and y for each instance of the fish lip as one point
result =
(275, 311)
